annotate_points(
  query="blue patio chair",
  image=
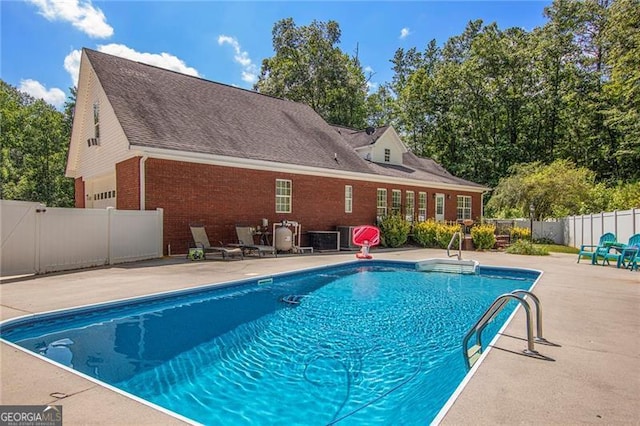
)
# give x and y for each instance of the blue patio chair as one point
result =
(601, 249)
(634, 263)
(623, 252)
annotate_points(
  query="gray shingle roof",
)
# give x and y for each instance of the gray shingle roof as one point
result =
(159, 108)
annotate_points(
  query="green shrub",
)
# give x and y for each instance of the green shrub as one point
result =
(483, 236)
(394, 230)
(527, 248)
(426, 233)
(444, 233)
(520, 234)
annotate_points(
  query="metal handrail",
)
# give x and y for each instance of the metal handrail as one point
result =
(488, 315)
(459, 235)
(538, 306)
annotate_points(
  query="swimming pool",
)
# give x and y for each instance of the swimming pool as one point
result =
(374, 342)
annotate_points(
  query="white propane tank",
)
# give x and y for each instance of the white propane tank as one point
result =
(283, 238)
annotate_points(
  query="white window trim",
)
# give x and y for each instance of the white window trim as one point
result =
(386, 203)
(410, 205)
(464, 207)
(348, 199)
(396, 208)
(286, 197)
(422, 210)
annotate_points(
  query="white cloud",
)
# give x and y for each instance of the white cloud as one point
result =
(162, 60)
(53, 96)
(372, 87)
(72, 65)
(368, 70)
(80, 13)
(404, 32)
(250, 70)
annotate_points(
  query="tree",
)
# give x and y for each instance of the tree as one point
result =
(34, 142)
(308, 67)
(622, 36)
(555, 190)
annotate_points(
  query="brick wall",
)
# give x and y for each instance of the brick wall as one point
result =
(127, 184)
(221, 197)
(79, 195)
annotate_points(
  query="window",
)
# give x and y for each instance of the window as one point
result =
(387, 155)
(382, 203)
(410, 207)
(396, 201)
(96, 120)
(283, 196)
(464, 207)
(422, 206)
(348, 199)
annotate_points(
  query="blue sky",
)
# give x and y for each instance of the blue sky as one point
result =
(223, 41)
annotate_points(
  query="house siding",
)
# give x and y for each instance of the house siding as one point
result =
(221, 197)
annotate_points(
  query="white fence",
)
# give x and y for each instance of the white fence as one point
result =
(38, 239)
(587, 229)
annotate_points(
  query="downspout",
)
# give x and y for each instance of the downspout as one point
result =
(143, 159)
(482, 205)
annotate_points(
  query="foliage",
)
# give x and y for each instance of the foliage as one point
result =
(527, 248)
(34, 143)
(434, 234)
(394, 230)
(426, 233)
(445, 233)
(308, 67)
(483, 236)
(489, 99)
(558, 248)
(517, 233)
(555, 190)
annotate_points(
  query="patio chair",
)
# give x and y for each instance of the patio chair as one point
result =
(623, 252)
(201, 240)
(245, 242)
(634, 264)
(593, 251)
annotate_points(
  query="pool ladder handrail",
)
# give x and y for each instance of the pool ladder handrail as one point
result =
(473, 354)
(453, 237)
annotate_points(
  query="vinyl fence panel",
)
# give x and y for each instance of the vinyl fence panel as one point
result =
(587, 229)
(39, 239)
(18, 235)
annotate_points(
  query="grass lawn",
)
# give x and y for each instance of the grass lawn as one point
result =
(558, 248)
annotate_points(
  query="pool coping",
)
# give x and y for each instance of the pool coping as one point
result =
(558, 271)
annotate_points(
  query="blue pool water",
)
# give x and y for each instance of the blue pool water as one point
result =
(373, 343)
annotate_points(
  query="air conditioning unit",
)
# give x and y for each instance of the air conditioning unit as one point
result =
(345, 238)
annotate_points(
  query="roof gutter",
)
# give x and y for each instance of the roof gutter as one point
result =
(143, 190)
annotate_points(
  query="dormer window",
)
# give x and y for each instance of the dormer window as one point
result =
(387, 155)
(96, 120)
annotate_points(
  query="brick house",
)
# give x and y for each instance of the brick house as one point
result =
(145, 138)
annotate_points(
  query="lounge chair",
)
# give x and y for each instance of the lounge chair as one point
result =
(624, 253)
(245, 242)
(201, 240)
(601, 249)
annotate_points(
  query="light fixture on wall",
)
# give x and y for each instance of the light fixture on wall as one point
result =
(448, 196)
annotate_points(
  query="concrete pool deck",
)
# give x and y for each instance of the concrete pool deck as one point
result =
(591, 315)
